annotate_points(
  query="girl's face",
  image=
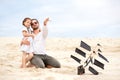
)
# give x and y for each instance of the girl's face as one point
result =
(27, 23)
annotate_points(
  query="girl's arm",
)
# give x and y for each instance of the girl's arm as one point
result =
(25, 41)
(25, 34)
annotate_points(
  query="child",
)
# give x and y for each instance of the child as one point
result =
(27, 49)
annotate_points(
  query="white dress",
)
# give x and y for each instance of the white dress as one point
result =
(27, 48)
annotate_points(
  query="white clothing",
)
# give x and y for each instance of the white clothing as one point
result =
(27, 48)
(39, 41)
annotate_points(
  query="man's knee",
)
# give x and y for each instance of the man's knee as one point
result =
(37, 63)
(53, 62)
(57, 65)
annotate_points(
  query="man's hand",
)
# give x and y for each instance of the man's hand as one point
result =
(26, 42)
(32, 35)
(45, 21)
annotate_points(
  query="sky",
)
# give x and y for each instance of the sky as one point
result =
(69, 18)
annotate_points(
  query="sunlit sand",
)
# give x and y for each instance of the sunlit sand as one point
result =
(61, 49)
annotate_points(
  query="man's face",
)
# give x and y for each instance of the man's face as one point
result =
(34, 24)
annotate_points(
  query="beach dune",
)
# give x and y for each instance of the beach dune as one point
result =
(61, 49)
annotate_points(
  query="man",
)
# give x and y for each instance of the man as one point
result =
(40, 58)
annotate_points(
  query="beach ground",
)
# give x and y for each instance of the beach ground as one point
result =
(61, 49)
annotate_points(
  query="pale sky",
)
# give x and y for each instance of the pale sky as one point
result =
(69, 18)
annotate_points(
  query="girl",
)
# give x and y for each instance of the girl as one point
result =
(26, 49)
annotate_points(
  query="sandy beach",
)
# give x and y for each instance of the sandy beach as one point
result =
(61, 49)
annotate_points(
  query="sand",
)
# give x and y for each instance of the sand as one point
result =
(61, 48)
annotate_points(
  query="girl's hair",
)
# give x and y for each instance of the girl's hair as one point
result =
(25, 19)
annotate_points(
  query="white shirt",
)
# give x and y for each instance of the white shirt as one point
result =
(39, 41)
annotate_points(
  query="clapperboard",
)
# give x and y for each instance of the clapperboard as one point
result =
(91, 59)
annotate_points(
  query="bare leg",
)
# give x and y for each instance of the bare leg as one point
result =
(24, 60)
(30, 56)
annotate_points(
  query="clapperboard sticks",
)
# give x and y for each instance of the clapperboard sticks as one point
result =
(91, 58)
